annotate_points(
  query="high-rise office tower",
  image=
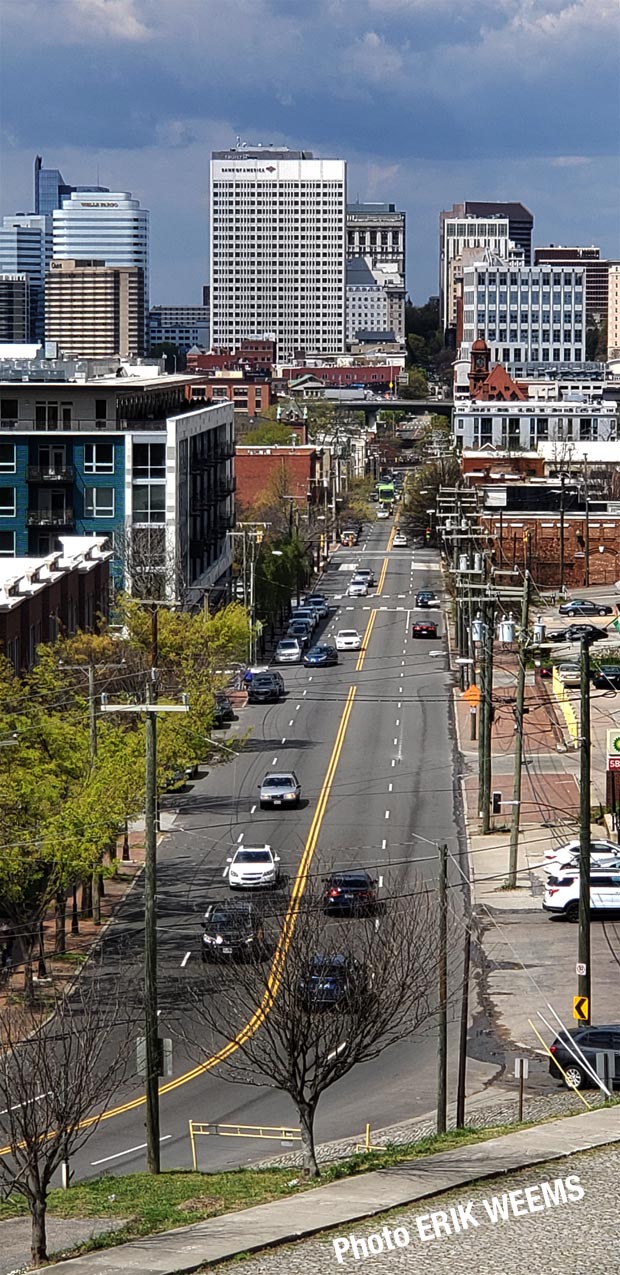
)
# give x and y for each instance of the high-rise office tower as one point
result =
(112, 228)
(93, 310)
(526, 314)
(278, 249)
(596, 272)
(50, 188)
(14, 309)
(23, 247)
(376, 233)
(613, 312)
(478, 224)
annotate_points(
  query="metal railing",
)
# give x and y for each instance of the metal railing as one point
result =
(50, 474)
(49, 518)
(277, 1133)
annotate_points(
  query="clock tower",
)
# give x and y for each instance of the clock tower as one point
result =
(479, 368)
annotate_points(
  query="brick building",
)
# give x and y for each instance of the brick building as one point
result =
(40, 598)
(254, 353)
(533, 540)
(251, 397)
(304, 469)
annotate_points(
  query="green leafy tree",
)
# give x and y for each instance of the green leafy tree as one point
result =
(273, 434)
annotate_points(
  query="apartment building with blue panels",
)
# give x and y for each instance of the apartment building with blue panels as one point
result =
(120, 455)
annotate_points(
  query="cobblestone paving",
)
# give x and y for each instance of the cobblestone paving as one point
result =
(568, 1239)
(478, 1115)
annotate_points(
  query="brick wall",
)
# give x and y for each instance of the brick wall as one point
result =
(256, 469)
(540, 551)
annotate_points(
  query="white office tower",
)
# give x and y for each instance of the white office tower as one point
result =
(278, 250)
(110, 227)
(526, 314)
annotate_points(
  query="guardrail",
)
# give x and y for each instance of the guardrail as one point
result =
(277, 1133)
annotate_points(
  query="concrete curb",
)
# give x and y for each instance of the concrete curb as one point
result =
(187, 1249)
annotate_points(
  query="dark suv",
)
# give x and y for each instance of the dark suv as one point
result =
(264, 689)
(591, 1041)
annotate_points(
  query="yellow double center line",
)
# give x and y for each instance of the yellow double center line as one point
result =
(284, 941)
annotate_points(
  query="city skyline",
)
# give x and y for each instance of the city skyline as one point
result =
(166, 87)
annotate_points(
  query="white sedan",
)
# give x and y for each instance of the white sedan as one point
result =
(358, 588)
(252, 868)
(382, 513)
(348, 640)
(400, 540)
(603, 854)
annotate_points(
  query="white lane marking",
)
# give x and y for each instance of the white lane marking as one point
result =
(274, 761)
(291, 721)
(403, 663)
(297, 707)
(306, 692)
(310, 678)
(400, 690)
(380, 882)
(393, 761)
(225, 873)
(284, 739)
(377, 923)
(390, 787)
(384, 844)
(239, 838)
(185, 960)
(404, 650)
(130, 1150)
(335, 1052)
(397, 722)
(252, 811)
(16, 1106)
(396, 742)
(387, 814)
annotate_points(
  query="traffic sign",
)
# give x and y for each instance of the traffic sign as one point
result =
(581, 1009)
(613, 763)
(472, 695)
(580, 968)
(613, 749)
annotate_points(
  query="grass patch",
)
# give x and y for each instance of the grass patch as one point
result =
(149, 1203)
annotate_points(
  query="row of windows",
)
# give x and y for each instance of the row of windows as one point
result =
(149, 459)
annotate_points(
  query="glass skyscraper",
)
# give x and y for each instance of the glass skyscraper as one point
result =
(50, 188)
(23, 250)
(112, 228)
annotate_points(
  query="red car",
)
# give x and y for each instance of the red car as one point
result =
(424, 628)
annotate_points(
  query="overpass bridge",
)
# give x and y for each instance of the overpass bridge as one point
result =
(407, 406)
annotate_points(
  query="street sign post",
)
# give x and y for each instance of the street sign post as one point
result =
(522, 1068)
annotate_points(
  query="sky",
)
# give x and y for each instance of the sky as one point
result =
(429, 101)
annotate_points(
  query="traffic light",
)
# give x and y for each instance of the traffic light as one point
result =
(259, 535)
(427, 534)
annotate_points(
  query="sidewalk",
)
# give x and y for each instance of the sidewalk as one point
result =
(340, 1203)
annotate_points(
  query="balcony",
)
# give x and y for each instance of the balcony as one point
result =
(43, 474)
(50, 518)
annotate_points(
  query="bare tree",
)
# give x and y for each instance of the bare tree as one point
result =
(335, 992)
(56, 1080)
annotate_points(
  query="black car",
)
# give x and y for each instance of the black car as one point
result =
(332, 982)
(426, 598)
(320, 657)
(223, 711)
(591, 1041)
(352, 892)
(584, 606)
(575, 632)
(264, 689)
(424, 629)
(607, 677)
(231, 930)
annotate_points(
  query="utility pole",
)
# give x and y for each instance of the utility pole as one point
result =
(487, 716)
(151, 1039)
(587, 536)
(463, 1026)
(442, 1025)
(519, 714)
(252, 596)
(584, 981)
(562, 503)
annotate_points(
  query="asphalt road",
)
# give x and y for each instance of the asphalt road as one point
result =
(389, 801)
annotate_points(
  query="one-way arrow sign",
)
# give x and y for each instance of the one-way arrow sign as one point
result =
(581, 1009)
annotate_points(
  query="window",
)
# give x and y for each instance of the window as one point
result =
(7, 544)
(149, 503)
(7, 502)
(7, 457)
(100, 409)
(8, 411)
(149, 459)
(98, 458)
(98, 502)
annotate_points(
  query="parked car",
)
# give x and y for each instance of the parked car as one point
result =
(575, 632)
(353, 892)
(423, 629)
(321, 657)
(280, 789)
(348, 640)
(607, 677)
(562, 893)
(232, 930)
(382, 512)
(288, 651)
(300, 630)
(265, 688)
(584, 606)
(333, 981)
(426, 598)
(603, 854)
(400, 540)
(223, 710)
(569, 674)
(358, 588)
(253, 867)
(308, 614)
(589, 1041)
(320, 603)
